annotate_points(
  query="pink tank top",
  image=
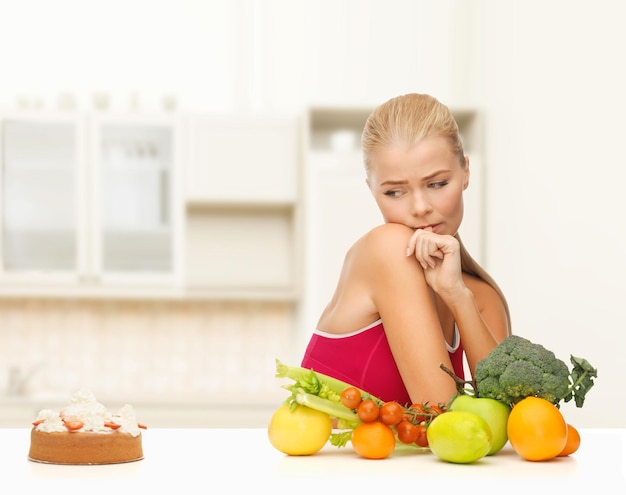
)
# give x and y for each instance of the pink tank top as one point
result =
(363, 359)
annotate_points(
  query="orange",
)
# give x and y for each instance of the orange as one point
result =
(536, 429)
(373, 440)
(573, 441)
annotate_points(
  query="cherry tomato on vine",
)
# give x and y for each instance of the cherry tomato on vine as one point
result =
(391, 413)
(435, 410)
(407, 432)
(422, 439)
(368, 411)
(351, 397)
(418, 413)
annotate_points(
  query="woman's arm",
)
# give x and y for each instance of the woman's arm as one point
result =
(405, 303)
(476, 307)
(480, 318)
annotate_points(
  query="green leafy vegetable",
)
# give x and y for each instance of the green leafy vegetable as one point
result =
(581, 380)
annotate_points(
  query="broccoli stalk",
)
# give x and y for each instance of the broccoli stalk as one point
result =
(461, 385)
(518, 368)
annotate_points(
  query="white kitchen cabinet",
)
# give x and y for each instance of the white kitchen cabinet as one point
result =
(242, 159)
(245, 252)
(91, 204)
(243, 207)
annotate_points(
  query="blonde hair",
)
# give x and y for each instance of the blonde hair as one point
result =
(408, 119)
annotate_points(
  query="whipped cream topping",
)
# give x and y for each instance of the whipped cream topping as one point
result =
(85, 409)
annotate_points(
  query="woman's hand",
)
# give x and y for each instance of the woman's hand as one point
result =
(440, 258)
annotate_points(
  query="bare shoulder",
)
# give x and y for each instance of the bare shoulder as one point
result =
(390, 229)
(379, 256)
(373, 263)
(389, 240)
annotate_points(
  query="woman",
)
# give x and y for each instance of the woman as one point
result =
(398, 313)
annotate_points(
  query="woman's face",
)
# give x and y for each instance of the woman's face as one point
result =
(420, 185)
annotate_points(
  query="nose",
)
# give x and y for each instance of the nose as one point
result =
(420, 205)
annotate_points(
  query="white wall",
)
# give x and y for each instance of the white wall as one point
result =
(224, 55)
(548, 76)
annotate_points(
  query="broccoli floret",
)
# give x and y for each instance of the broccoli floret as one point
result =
(553, 387)
(490, 387)
(499, 361)
(517, 368)
(520, 379)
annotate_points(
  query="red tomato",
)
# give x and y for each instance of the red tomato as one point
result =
(351, 397)
(368, 411)
(407, 432)
(391, 413)
(435, 411)
(423, 413)
(419, 413)
(422, 439)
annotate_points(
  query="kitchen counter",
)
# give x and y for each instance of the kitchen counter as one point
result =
(241, 460)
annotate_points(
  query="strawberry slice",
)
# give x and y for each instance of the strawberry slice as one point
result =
(112, 425)
(38, 422)
(73, 425)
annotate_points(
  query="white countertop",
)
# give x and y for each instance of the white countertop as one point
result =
(242, 460)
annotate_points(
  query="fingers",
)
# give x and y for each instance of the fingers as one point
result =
(429, 255)
(411, 246)
(427, 248)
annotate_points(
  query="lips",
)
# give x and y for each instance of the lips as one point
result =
(433, 226)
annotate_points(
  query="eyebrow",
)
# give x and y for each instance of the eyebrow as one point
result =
(425, 178)
(394, 182)
(436, 173)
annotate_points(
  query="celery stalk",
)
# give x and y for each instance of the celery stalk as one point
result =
(300, 374)
(314, 382)
(333, 409)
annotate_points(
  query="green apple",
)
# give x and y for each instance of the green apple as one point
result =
(461, 437)
(494, 412)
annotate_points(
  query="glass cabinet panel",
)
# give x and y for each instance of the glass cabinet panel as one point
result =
(135, 171)
(87, 203)
(39, 184)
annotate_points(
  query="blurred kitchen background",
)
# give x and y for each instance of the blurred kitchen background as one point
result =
(180, 180)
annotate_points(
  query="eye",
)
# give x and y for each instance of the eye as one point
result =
(393, 193)
(438, 185)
